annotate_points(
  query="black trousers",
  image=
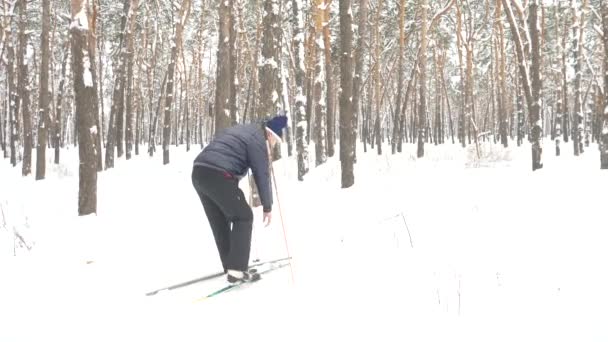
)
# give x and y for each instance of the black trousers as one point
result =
(229, 215)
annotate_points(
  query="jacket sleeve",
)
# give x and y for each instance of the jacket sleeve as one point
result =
(260, 165)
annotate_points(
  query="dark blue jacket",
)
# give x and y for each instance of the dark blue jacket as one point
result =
(237, 149)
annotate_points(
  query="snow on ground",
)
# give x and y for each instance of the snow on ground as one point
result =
(441, 248)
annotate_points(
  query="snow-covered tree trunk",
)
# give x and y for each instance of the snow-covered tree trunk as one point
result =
(559, 110)
(564, 75)
(269, 101)
(93, 52)
(577, 41)
(13, 107)
(320, 85)
(530, 75)
(534, 111)
(45, 96)
(300, 75)
(128, 61)
(422, 79)
(377, 77)
(329, 94)
(396, 145)
(461, 69)
(57, 123)
(85, 98)
(23, 58)
(176, 43)
(223, 84)
(519, 113)
(348, 120)
(151, 94)
(502, 81)
(439, 122)
(101, 48)
(358, 60)
(3, 121)
(115, 125)
(603, 138)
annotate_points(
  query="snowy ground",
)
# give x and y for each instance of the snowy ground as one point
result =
(444, 248)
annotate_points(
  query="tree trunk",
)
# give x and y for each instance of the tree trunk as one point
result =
(223, 84)
(502, 79)
(175, 49)
(603, 139)
(531, 85)
(57, 124)
(331, 120)
(359, 59)
(300, 75)
(128, 60)
(577, 42)
(121, 81)
(348, 120)
(396, 144)
(44, 97)
(377, 80)
(115, 126)
(320, 87)
(565, 109)
(23, 60)
(85, 98)
(3, 121)
(13, 107)
(422, 79)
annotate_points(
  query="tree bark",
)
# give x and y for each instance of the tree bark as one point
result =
(396, 145)
(320, 85)
(223, 84)
(348, 119)
(175, 50)
(531, 85)
(577, 42)
(44, 97)
(57, 124)
(13, 107)
(331, 120)
(300, 76)
(359, 59)
(128, 60)
(116, 123)
(603, 139)
(23, 60)
(85, 98)
(422, 80)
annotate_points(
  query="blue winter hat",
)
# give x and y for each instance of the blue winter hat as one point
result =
(276, 125)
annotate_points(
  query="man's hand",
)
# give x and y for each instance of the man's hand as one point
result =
(267, 219)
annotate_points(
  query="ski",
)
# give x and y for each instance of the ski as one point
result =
(209, 277)
(239, 284)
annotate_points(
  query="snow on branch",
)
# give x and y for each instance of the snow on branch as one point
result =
(441, 13)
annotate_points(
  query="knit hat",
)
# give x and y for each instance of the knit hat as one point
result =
(276, 125)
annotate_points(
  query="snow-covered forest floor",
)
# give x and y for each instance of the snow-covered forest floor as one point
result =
(444, 248)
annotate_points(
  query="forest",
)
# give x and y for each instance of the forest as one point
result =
(122, 78)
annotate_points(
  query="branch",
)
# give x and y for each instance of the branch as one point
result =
(440, 13)
(519, 7)
(594, 74)
(519, 48)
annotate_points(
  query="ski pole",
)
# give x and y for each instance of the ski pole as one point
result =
(274, 180)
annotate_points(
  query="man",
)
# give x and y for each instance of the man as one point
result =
(215, 176)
